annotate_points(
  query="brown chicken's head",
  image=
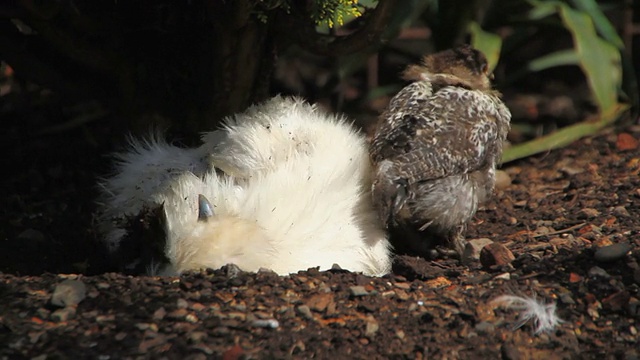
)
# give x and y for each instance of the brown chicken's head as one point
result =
(463, 66)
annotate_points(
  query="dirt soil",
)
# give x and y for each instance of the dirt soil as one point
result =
(557, 216)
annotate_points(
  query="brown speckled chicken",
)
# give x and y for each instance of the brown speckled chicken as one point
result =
(436, 147)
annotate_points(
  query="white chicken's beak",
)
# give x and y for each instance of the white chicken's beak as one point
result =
(205, 210)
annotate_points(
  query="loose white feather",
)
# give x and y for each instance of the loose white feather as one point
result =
(543, 315)
(295, 194)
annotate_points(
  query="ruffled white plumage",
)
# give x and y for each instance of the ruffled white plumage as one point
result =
(143, 177)
(294, 194)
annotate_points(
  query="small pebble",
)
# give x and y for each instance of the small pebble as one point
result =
(237, 315)
(34, 336)
(299, 346)
(438, 282)
(495, 254)
(503, 180)
(371, 328)
(266, 323)
(232, 270)
(206, 350)
(626, 142)
(403, 285)
(479, 279)
(598, 271)
(305, 311)
(571, 170)
(43, 313)
(358, 291)
(146, 345)
(319, 302)
(63, 314)
(178, 314)
(240, 307)
(402, 295)
(602, 241)
(485, 327)
(100, 319)
(617, 301)
(141, 326)
(588, 213)
(472, 249)
(69, 293)
(612, 252)
(511, 352)
(197, 307)
(197, 336)
(566, 298)
(103, 285)
(191, 318)
(182, 304)
(264, 270)
(159, 314)
(621, 211)
(503, 276)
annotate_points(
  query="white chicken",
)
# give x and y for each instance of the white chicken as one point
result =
(293, 193)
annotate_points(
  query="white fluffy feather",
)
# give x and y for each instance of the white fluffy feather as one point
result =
(294, 194)
(143, 175)
(543, 315)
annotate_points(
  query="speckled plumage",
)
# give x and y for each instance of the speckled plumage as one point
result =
(436, 148)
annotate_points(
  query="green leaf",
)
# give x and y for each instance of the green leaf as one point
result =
(599, 59)
(558, 58)
(601, 22)
(566, 135)
(542, 9)
(489, 43)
